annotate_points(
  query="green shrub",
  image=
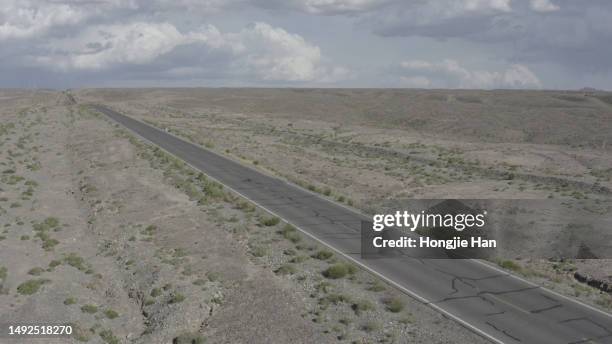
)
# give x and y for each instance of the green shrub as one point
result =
(323, 287)
(70, 301)
(339, 270)
(81, 334)
(362, 306)
(245, 206)
(49, 243)
(149, 230)
(188, 338)
(290, 233)
(323, 255)
(75, 261)
(376, 287)
(298, 259)
(334, 299)
(213, 276)
(36, 271)
(269, 221)
(258, 251)
(155, 292)
(199, 282)
(176, 298)
(51, 222)
(213, 190)
(394, 305)
(510, 265)
(287, 269)
(370, 326)
(91, 309)
(32, 286)
(111, 314)
(108, 337)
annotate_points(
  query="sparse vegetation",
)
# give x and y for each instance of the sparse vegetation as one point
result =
(290, 233)
(258, 251)
(89, 308)
(36, 271)
(70, 301)
(111, 314)
(370, 326)
(334, 299)
(323, 255)
(394, 304)
(189, 338)
(510, 265)
(155, 292)
(339, 270)
(75, 261)
(362, 306)
(287, 269)
(176, 298)
(269, 221)
(376, 286)
(108, 337)
(32, 286)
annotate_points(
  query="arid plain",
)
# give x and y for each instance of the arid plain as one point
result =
(131, 245)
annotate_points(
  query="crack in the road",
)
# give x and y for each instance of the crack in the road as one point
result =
(608, 331)
(503, 331)
(545, 309)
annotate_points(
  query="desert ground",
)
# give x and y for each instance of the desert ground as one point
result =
(106, 233)
(370, 148)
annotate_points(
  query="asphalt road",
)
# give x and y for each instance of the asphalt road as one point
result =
(489, 301)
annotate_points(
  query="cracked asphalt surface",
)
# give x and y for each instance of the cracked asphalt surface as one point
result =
(489, 301)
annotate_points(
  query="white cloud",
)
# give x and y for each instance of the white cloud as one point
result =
(326, 7)
(103, 46)
(479, 5)
(23, 19)
(259, 51)
(449, 73)
(543, 6)
(275, 54)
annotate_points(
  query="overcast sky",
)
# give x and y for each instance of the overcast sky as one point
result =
(547, 44)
